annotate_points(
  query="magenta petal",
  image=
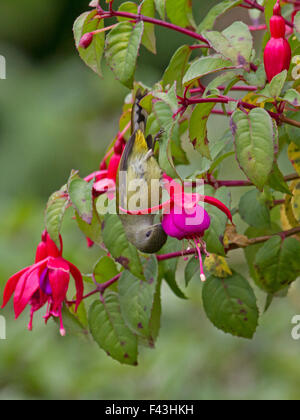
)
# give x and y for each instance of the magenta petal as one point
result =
(194, 222)
(170, 228)
(26, 288)
(181, 223)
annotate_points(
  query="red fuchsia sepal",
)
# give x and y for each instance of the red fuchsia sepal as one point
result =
(46, 281)
(277, 54)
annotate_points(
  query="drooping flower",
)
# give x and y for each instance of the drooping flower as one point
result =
(46, 281)
(183, 217)
(277, 54)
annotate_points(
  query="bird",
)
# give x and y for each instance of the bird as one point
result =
(139, 185)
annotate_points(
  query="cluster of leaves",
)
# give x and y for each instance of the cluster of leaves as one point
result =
(128, 313)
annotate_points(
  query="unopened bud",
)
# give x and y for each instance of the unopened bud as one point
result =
(86, 40)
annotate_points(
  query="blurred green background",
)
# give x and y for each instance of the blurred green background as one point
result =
(55, 115)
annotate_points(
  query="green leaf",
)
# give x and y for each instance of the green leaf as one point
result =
(177, 68)
(168, 268)
(81, 315)
(204, 66)
(234, 43)
(215, 235)
(215, 12)
(121, 50)
(149, 40)
(256, 78)
(137, 299)
(277, 263)
(192, 271)
(128, 7)
(180, 12)
(277, 181)
(75, 324)
(80, 193)
(91, 230)
(54, 214)
(274, 88)
(110, 332)
(292, 96)
(147, 9)
(251, 251)
(230, 304)
(293, 132)
(93, 54)
(297, 24)
(253, 210)
(161, 8)
(254, 144)
(105, 269)
(116, 242)
(198, 128)
(170, 142)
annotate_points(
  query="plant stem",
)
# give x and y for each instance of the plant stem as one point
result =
(137, 18)
(290, 121)
(225, 100)
(253, 241)
(243, 183)
(257, 6)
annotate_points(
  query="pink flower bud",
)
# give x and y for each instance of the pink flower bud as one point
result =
(86, 40)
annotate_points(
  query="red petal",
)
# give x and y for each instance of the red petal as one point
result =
(78, 282)
(59, 280)
(52, 250)
(27, 286)
(217, 203)
(11, 285)
(41, 252)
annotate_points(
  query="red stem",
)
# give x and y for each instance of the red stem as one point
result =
(154, 21)
(102, 287)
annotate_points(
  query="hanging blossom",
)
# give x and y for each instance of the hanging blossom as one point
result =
(183, 218)
(44, 282)
(277, 54)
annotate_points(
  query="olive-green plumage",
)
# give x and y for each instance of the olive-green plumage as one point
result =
(138, 184)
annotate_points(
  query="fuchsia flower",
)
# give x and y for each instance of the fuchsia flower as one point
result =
(46, 281)
(277, 54)
(183, 217)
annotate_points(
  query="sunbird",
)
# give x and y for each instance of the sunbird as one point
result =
(139, 185)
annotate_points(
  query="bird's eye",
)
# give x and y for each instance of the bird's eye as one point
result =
(148, 234)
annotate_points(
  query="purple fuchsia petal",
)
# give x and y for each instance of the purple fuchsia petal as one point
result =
(45, 282)
(193, 222)
(170, 228)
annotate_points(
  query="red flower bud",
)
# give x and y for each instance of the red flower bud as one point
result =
(86, 40)
(277, 54)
